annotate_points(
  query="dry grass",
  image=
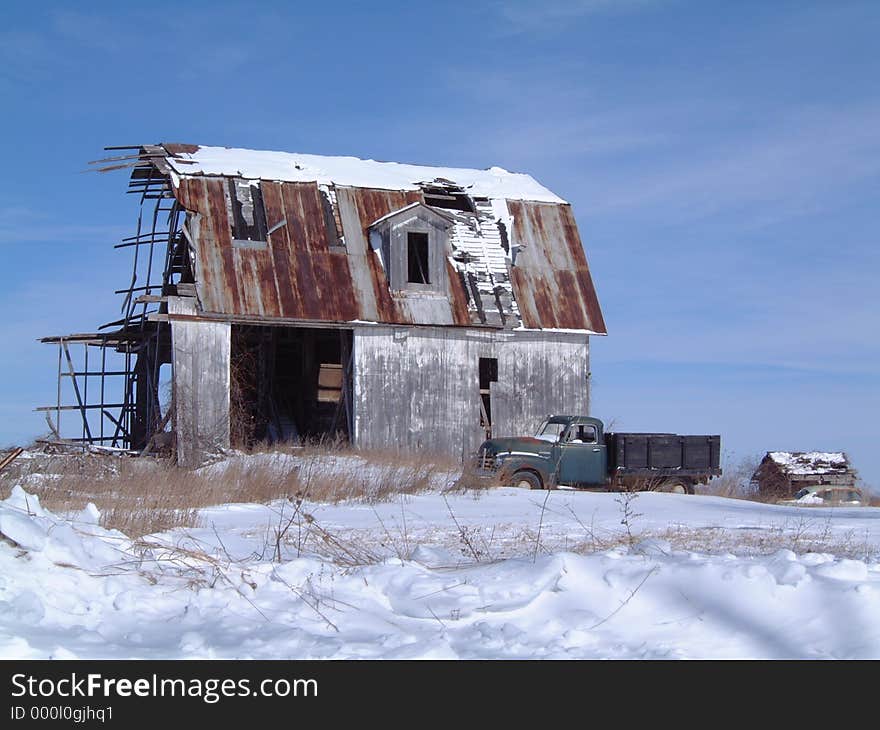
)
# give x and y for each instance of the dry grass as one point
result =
(734, 482)
(801, 533)
(144, 496)
(804, 536)
(800, 536)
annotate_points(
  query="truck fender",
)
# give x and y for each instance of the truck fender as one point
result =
(514, 464)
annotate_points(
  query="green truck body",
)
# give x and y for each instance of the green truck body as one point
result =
(576, 452)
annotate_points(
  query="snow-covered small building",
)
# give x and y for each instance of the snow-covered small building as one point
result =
(783, 473)
(299, 295)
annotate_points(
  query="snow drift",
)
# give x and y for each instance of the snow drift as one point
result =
(69, 588)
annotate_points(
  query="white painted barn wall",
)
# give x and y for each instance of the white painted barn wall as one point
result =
(201, 358)
(418, 387)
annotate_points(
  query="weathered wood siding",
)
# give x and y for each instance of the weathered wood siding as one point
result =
(201, 356)
(418, 387)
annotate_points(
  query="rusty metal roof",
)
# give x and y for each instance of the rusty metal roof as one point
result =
(551, 278)
(524, 258)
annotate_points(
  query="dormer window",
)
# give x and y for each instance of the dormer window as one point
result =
(418, 259)
(413, 244)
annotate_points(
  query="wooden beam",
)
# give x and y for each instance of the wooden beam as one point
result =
(9, 458)
(79, 399)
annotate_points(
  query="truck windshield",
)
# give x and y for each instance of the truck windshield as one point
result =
(550, 430)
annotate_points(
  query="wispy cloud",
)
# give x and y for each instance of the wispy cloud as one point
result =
(656, 160)
(812, 320)
(800, 164)
(569, 137)
(74, 40)
(525, 16)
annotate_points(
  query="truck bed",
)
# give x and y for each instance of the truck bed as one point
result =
(663, 453)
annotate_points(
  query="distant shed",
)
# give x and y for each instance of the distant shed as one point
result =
(782, 473)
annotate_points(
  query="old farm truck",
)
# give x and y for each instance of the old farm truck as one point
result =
(576, 452)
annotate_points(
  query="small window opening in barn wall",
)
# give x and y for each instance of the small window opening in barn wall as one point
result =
(289, 384)
(332, 220)
(247, 214)
(417, 256)
(488, 375)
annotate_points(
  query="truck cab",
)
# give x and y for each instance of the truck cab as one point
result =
(565, 451)
(579, 455)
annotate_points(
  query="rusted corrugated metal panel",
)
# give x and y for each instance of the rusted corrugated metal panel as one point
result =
(551, 279)
(216, 276)
(296, 276)
(180, 148)
(358, 208)
(317, 277)
(458, 297)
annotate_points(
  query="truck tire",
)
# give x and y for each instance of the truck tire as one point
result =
(676, 485)
(527, 480)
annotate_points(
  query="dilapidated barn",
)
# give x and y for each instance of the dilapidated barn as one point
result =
(286, 296)
(783, 473)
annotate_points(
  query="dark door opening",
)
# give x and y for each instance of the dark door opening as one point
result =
(289, 384)
(488, 375)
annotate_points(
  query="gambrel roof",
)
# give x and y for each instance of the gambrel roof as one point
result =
(514, 259)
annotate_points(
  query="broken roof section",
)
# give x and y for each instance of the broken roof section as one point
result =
(514, 258)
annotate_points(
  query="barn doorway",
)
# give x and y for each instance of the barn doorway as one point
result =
(488, 375)
(289, 384)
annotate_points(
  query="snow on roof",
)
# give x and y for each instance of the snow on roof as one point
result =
(496, 182)
(418, 204)
(811, 462)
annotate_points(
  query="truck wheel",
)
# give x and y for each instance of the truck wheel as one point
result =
(676, 485)
(527, 480)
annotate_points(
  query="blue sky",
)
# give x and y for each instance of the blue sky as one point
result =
(722, 159)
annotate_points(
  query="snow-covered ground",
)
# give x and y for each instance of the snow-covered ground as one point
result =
(505, 573)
